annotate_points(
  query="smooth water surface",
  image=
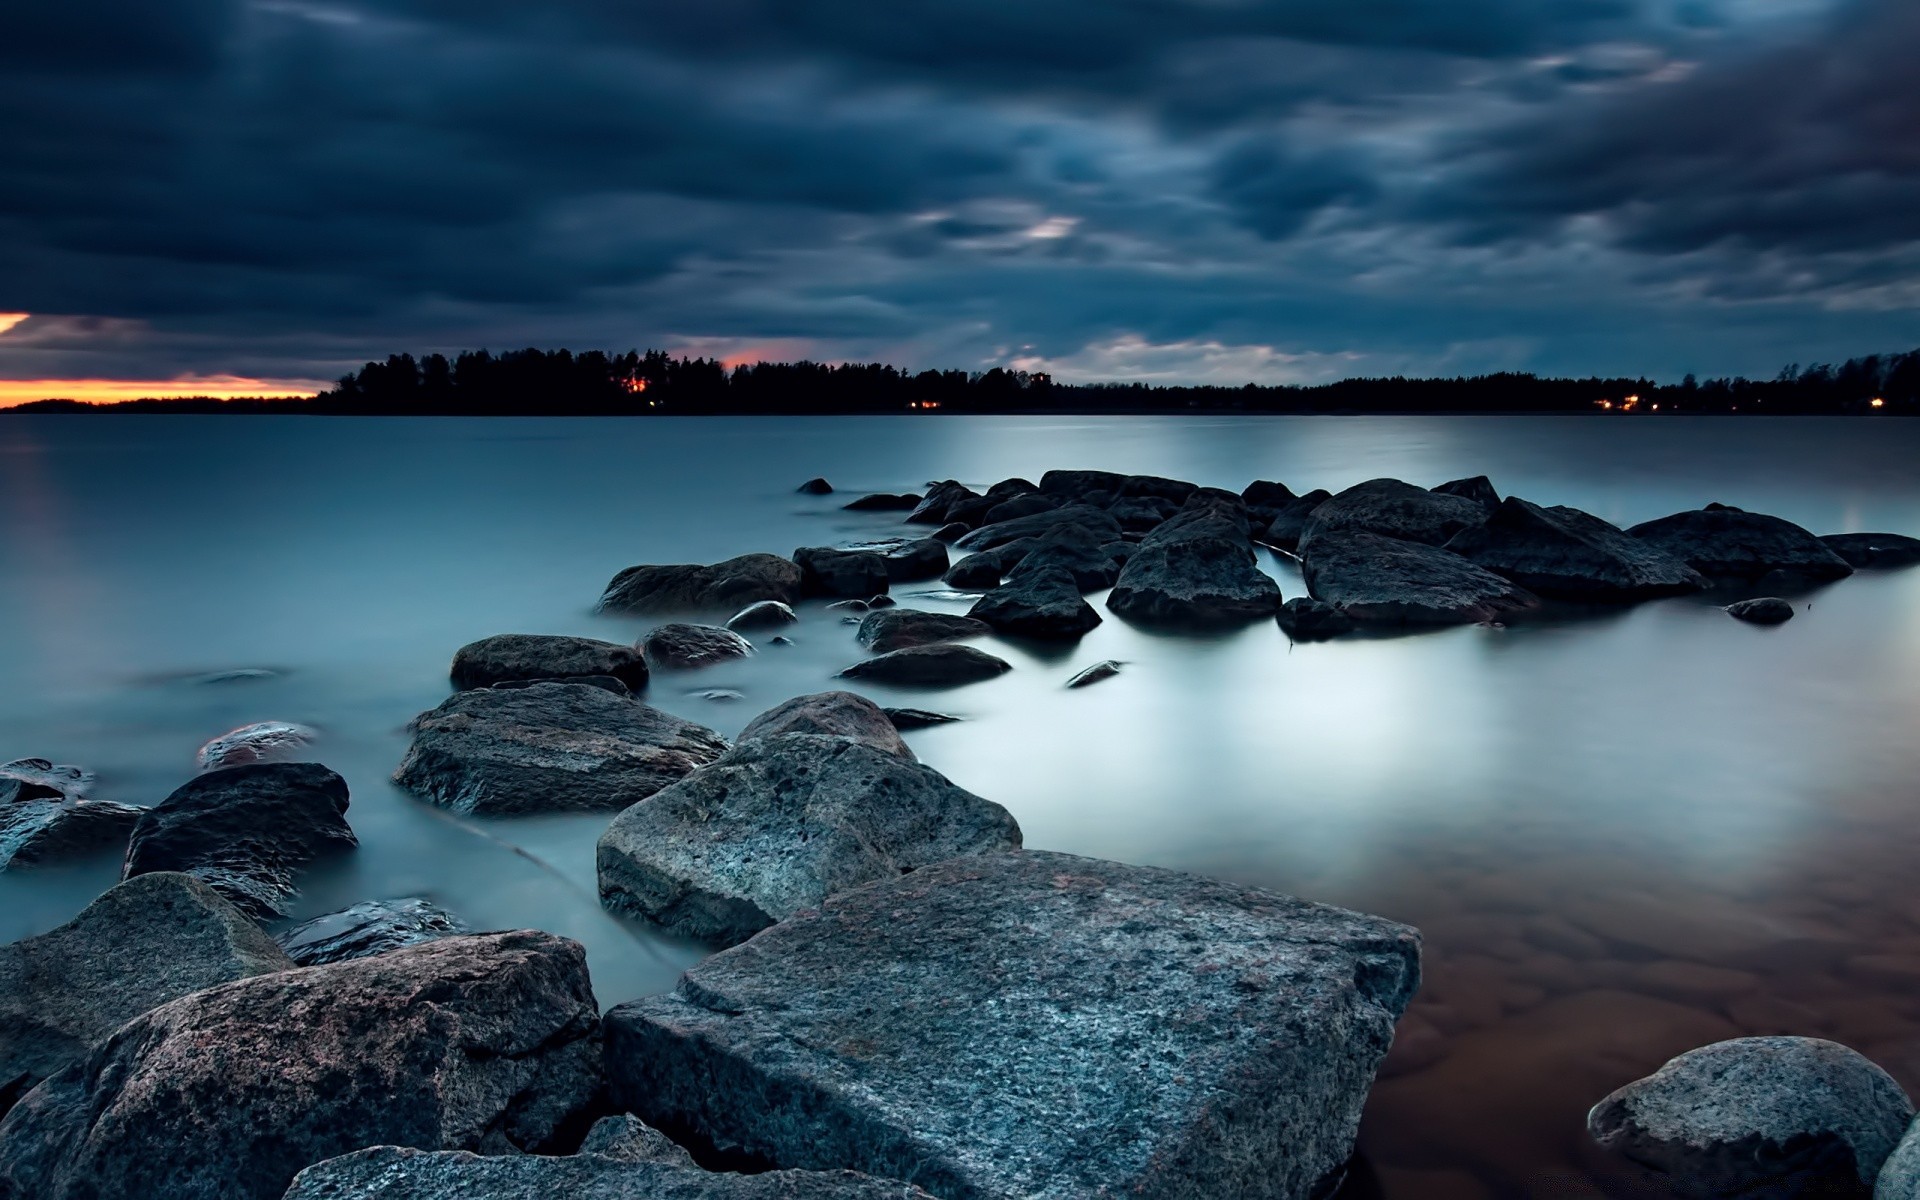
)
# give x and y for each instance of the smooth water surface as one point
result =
(1622, 836)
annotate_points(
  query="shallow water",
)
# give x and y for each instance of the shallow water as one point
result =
(1622, 836)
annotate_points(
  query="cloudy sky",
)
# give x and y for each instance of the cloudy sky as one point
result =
(1175, 190)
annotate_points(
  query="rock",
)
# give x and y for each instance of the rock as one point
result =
(1095, 521)
(1095, 673)
(1033, 1025)
(605, 683)
(1092, 564)
(1286, 527)
(1730, 543)
(547, 748)
(75, 783)
(884, 502)
(485, 1043)
(953, 531)
(1139, 514)
(849, 606)
(1390, 508)
(1477, 488)
(783, 641)
(1196, 570)
(629, 1139)
(1874, 551)
(940, 497)
(372, 927)
(916, 718)
(263, 741)
(1572, 555)
(1262, 493)
(246, 832)
(983, 571)
(1156, 486)
(779, 824)
(942, 664)
(1081, 483)
(396, 1173)
(815, 487)
(1387, 581)
(1766, 1115)
(1016, 507)
(1306, 619)
(1765, 610)
(830, 714)
(722, 587)
(768, 614)
(881, 602)
(141, 944)
(922, 559)
(831, 572)
(1037, 604)
(899, 628)
(718, 695)
(524, 657)
(46, 816)
(682, 647)
(1899, 1177)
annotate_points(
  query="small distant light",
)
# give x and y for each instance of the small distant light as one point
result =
(1605, 403)
(1879, 403)
(1656, 408)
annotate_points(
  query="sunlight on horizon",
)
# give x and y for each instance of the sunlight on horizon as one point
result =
(9, 320)
(115, 391)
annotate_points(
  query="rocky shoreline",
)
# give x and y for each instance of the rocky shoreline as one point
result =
(903, 1000)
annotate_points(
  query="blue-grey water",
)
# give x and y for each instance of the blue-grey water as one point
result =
(1622, 836)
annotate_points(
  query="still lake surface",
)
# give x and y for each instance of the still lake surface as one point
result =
(1622, 836)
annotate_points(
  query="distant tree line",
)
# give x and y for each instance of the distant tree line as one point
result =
(598, 383)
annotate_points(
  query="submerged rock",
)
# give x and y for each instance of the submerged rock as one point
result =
(884, 502)
(1477, 488)
(1306, 619)
(247, 832)
(1033, 1025)
(1759, 1116)
(942, 664)
(526, 657)
(551, 747)
(1284, 530)
(897, 628)
(682, 647)
(1732, 543)
(1765, 610)
(830, 714)
(373, 927)
(1390, 508)
(1095, 673)
(722, 587)
(149, 940)
(827, 571)
(815, 487)
(262, 741)
(1037, 604)
(777, 825)
(1572, 555)
(1874, 551)
(1387, 581)
(768, 614)
(917, 718)
(46, 815)
(484, 1043)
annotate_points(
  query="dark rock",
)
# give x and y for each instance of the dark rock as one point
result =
(723, 587)
(237, 675)
(830, 714)
(849, 606)
(831, 572)
(1033, 1025)
(517, 657)
(151, 939)
(877, 602)
(1158, 486)
(1095, 673)
(1394, 509)
(46, 815)
(629, 1139)
(1197, 570)
(1307, 619)
(262, 741)
(885, 502)
(682, 647)
(1388, 581)
(1031, 504)
(373, 927)
(952, 531)
(1095, 521)
(916, 718)
(482, 1043)
(942, 664)
(783, 641)
(1572, 555)
(547, 748)
(1774, 1116)
(246, 832)
(605, 683)
(768, 614)
(922, 559)
(1730, 543)
(1766, 610)
(75, 783)
(1082, 483)
(815, 487)
(940, 497)
(779, 824)
(718, 695)
(1092, 564)
(984, 571)
(898, 628)
(1262, 493)
(1477, 488)
(1037, 604)
(1284, 530)
(1874, 551)
(1139, 514)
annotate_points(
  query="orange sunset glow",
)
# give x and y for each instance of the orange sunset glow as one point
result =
(9, 320)
(114, 391)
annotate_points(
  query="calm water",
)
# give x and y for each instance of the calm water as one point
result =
(1622, 837)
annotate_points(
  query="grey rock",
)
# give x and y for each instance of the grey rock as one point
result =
(372, 927)
(884, 502)
(898, 628)
(149, 940)
(629, 1139)
(1384, 580)
(46, 815)
(783, 641)
(484, 1043)
(942, 664)
(953, 531)
(1156, 486)
(605, 683)
(1037, 604)
(1773, 1116)
(1307, 619)
(1196, 570)
(1765, 610)
(1096, 521)
(830, 714)
(262, 741)
(815, 487)
(1264, 493)
(917, 718)
(75, 783)
(1081, 483)
(983, 571)
(1015, 507)
(1572, 555)
(723, 587)
(1477, 488)
(1874, 551)
(683, 647)
(1033, 1025)
(1899, 1177)
(1284, 530)
(925, 558)
(547, 748)
(768, 614)
(849, 606)
(779, 824)
(718, 695)
(832, 572)
(524, 657)
(1139, 514)
(1394, 509)
(247, 832)
(1093, 564)
(874, 602)
(940, 498)
(1095, 673)
(1728, 542)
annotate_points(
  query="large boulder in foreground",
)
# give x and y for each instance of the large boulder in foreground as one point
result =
(1386, 581)
(1394, 509)
(1042, 604)
(942, 664)
(1033, 1025)
(1761, 1116)
(723, 587)
(897, 628)
(1731, 543)
(46, 815)
(832, 714)
(247, 832)
(550, 747)
(522, 657)
(778, 825)
(369, 928)
(152, 939)
(1572, 555)
(1874, 551)
(470, 1043)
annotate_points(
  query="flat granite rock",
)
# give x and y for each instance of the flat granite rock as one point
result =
(551, 747)
(1386, 581)
(1731, 543)
(689, 587)
(777, 825)
(1573, 555)
(524, 657)
(833, 714)
(1033, 1025)
(150, 940)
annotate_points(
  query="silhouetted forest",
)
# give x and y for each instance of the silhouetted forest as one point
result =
(596, 383)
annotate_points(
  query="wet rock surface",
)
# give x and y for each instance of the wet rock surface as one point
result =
(1477, 488)
(247, 832)
(47, 816)
(1874, 551)
(826, 571)
(898, 628)
(1568, 554)
(1197, 570)
(815, 487)
(525, 657)
(1043, 604)
(943, 664)
(368, 928)
(1096, 522)
(1383, 580)
(1306, 619)
(1093, 564)
(884, 502)
(1390, 508)
(1033, 1025)
(722, 587)
(550, 747)
(1106, 669)
(1730, 543)
(830, 714)
(924, 558)
(768, 614)
(917, 718)
(1290, 522)
(1763, 610)
(262, 741)
(682, 647)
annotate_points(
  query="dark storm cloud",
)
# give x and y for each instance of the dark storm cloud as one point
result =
(102, 37)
